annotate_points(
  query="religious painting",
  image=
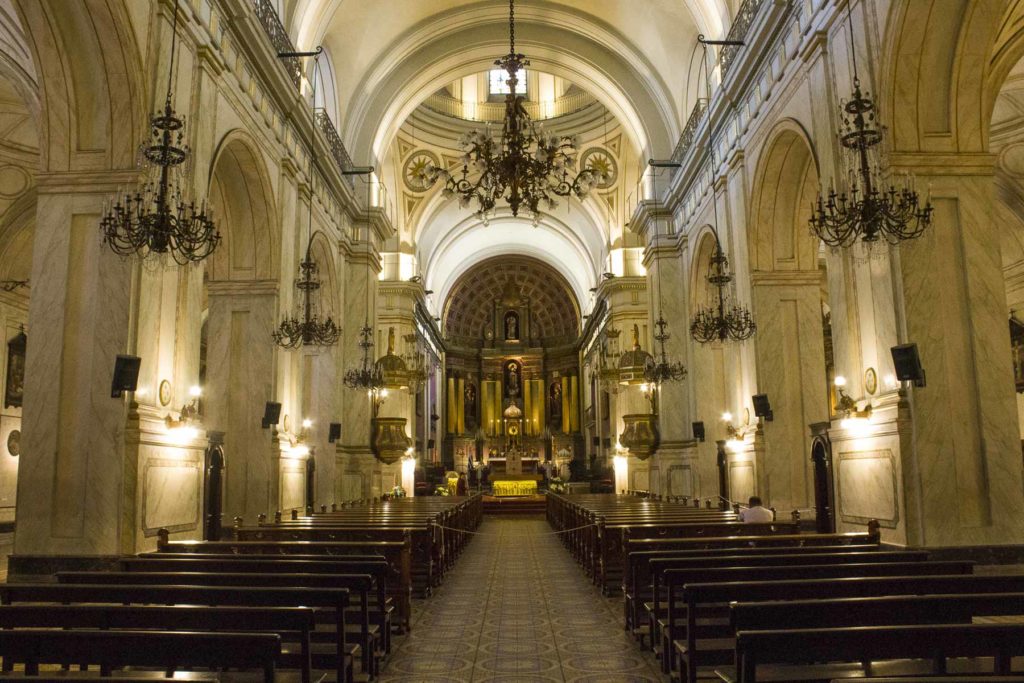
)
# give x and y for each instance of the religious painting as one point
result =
(511, 326)
(469, 406)
(15, 386)
(513, 379)
(555, 401)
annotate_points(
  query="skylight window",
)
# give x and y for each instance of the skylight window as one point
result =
(498, 82)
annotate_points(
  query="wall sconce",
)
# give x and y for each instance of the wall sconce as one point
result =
(377, 398)
(846, 405)
(189, 412)
(304, 433)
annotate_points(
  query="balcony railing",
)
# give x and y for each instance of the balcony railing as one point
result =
(690, 129)
(279, 39)
(738, 31)
(337, 147)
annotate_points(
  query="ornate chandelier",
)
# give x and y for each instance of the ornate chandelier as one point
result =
(369, 376)
(662, 370)
(305, 327)
(159, 219)
(525, 168)
(721, 321)
(863, 211)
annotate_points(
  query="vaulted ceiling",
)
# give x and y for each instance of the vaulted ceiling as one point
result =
(469, 309)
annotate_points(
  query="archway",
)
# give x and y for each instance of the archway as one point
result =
(788, 293)
(242, 297)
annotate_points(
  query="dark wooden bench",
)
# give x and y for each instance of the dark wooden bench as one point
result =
(377, 605)
(396, 554)
(637, 581)
(359, 585)
(813, 654)
(166, 650)
(713, 646)
(697, 596)
(656, 610)
(284, 621)
(334, 599)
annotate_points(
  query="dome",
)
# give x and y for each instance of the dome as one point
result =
(513, 412)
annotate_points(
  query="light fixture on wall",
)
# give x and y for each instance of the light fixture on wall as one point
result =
(189, 413)
(526, 167)
(845, 404)
(158, 219)
(865, 209)
(722, 320)
(306, 326)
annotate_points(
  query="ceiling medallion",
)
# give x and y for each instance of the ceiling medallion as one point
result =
(305, 327)
(415, 170)
(601, 162)
(865, 209)
(158, 219)
(525, 168)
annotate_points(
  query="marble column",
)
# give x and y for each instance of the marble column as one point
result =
(240, 380)
(963, 475)
(71, 480)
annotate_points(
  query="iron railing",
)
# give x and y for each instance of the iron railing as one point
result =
(690, 129)
(334, 143)
(738, 30)
(279, 39)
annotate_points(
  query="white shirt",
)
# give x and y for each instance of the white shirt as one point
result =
(757, 515)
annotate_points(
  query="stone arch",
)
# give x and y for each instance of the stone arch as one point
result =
(92, 91)
(787, 302)
(699, 267)
(954, 56)
(786, 182)
(242, 198)
(242, 294)
(17, 227)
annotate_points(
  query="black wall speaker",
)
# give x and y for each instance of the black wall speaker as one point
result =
(698, 431)
(908, 364)
(126, 375)
(430, 444)
(333, 432)
(271, 414)
(596, 441)
(762, 408)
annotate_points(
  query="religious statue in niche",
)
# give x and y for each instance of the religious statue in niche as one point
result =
(15, 386)
(555, 400)
(469, 406)
(512, 379)
(512, 326)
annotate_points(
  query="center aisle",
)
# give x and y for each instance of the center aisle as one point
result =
(517, 608)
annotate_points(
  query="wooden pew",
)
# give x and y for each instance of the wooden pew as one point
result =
(279, 620)
(162, 649)
(638, 582)
(334, 599)
(698, 595)
(805, 654)
(657, 615)
(360, 585)
(694, 651)
(396, 554)
(376, 605)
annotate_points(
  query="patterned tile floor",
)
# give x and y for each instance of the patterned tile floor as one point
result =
(516, 607)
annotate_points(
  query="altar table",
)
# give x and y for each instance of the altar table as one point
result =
(515, 488)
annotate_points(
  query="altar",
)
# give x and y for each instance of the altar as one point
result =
(522, 487)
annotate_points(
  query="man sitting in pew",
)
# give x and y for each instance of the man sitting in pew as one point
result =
(756, 513)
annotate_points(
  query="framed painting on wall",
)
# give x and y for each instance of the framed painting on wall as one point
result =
(15, 384)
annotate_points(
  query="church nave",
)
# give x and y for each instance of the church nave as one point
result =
(517, 608)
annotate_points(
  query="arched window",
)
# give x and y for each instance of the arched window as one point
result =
(325, 96)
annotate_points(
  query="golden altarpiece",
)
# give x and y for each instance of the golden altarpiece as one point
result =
(512, 394)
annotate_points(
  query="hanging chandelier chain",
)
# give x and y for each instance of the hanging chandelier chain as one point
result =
(512, 26)
(719, 321)
(867, 210)
(174, 46)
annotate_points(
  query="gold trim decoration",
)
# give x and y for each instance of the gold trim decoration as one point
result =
(870, 381)
(165, 393)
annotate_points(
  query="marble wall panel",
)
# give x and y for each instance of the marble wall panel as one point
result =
(867, 487)
(293, 486)
(171, 494)
(680, 481)
(9, 466)
(742, 482)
